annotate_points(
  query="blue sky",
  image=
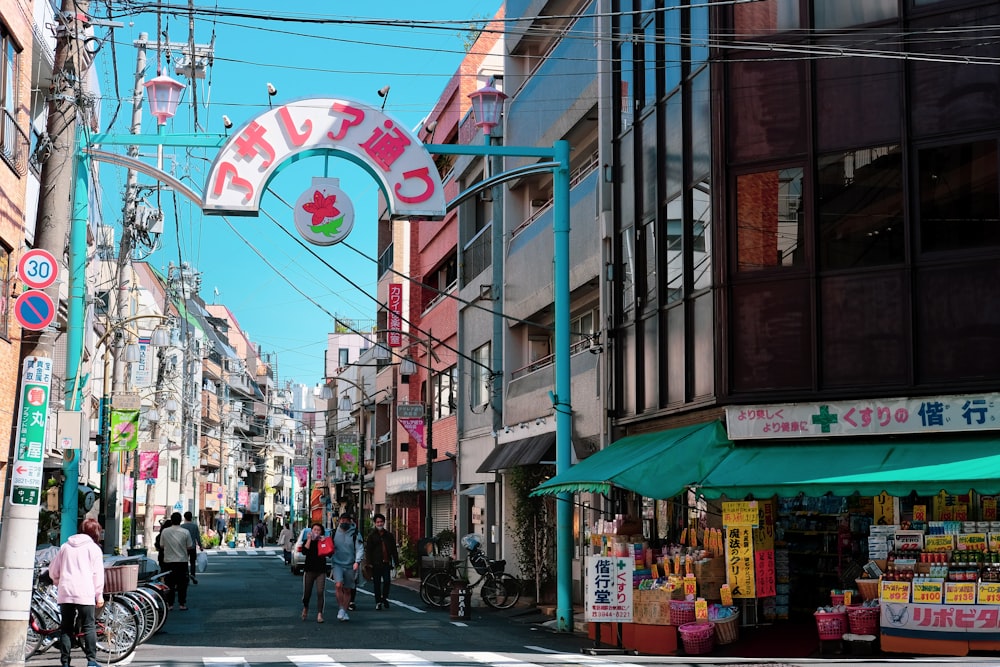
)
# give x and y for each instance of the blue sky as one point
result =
(254, 275)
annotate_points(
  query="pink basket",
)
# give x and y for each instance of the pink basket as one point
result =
(831, 625)
(681, 612)
(864, 620)
(698, 638)
(836, 599)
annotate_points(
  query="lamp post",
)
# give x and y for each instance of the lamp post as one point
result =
(487, 104)
(109, 459)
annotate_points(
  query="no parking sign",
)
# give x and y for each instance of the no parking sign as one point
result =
(34, 310)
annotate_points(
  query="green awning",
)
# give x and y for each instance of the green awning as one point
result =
(868, 468)
(654, 465)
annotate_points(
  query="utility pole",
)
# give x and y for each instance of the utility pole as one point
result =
(18, 538)
(111, 461)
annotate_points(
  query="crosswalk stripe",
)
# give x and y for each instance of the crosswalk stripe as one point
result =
(401, 659)
(495, 659)
(583, 659)
(314, 661)
(225, 662)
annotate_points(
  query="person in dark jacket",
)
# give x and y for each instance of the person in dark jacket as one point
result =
(382, 556)
(313, 572)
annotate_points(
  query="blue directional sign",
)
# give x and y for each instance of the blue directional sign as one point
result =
(34, 310)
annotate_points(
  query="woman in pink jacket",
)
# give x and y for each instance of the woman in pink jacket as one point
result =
(78, 571)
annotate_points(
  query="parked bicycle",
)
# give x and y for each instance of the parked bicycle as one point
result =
(126, 619)
(499, 589)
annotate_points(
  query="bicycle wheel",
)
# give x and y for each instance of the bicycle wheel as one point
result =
(435, 589)
(33, 640)
(117, 632)
(148, 611)
(501, 591)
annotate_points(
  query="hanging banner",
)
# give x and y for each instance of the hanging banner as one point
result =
(243, 496)
(763, 542)
(608, 589)
(142, 370)
(740, 561)
(124, 430)
(394, 335)
(319, 465)
(26, 471)
(149, 465)
(415, 428)
(302, 476)
(347, 454)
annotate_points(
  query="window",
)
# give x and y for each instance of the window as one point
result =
(847, 13)
(175, 470)
(581, 327)
(959, 199)
(481, 379)
(444, 388)
(440, 280)
(10, 137)
(343, 356)
(769, 219)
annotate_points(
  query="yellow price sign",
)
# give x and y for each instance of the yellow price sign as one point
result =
(990, 508)
(701, 609)
(939, 542)
(920, 512)
(895, 591)
(929, 592)
(745, 513)
(690, 587)
(972, 541)
(960, 592)
(989, 593)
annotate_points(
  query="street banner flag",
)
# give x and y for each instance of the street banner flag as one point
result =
(124, 430)
(347, 454)
(149, 465)
(415, 427)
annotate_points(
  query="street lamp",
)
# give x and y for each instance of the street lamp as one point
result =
(487, 104)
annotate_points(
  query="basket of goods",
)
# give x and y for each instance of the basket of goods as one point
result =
(868, 588)
(681, 612)
(726, 622)
(121, 578)
(698, 638)
(831, 624)
(836, 597)
(863, 620)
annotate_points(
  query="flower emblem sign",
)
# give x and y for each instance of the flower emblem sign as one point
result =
(324, 214)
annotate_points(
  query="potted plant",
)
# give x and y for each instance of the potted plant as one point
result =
(446, 541)
(231, 538)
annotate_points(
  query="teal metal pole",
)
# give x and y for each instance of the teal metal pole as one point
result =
(563, 402)
(76, 313)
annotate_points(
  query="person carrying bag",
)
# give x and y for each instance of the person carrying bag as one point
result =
(382, 556)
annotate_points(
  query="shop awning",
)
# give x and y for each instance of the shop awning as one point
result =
(654, 465)
(869, 468)
(415, 479)
(527, 451)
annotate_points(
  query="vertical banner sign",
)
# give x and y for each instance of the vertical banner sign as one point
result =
(740, 561)
(149, 465)
(347, 454)
(142, 371)
(243, 496)
(394, 337)
(124, 430)
(989, 508)
(26, 471)
(608, 590)
(254, 505)
(319, 465)
(411, 417)
(302, 476)
(763, 550)
(885, 509)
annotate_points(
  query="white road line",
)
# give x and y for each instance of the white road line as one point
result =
(495, 659)
(583, 659)
(225, 662)
(401, 659)
(314, 661)
(459, 624)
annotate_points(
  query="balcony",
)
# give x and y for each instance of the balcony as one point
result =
(14, 143)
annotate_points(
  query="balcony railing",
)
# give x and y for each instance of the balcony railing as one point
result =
(14, 143)
(549, 360)
(477, 254)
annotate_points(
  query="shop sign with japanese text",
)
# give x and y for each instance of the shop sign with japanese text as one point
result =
(394, 335)
(894, 591)
(971, 412)
(740, 513)
(740, 561)
(32, 418)
(989, 592)
(608, 589)
(980, 620)
(929, 592)
(957, 592)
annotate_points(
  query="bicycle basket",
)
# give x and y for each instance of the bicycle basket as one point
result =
(472, 541)
(497, 566)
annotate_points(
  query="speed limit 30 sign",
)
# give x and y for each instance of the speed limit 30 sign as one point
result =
(37, 268)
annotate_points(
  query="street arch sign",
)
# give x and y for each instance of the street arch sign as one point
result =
(252, 156)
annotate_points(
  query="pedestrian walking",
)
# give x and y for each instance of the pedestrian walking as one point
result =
(190, 526)
(348, 550)
(259, 534)
(78, 571)
(313, 573)
(176, 542)
(285, 540)
(383, 556)
(220, 526)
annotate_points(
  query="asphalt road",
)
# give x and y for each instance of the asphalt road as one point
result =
(246, 609)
